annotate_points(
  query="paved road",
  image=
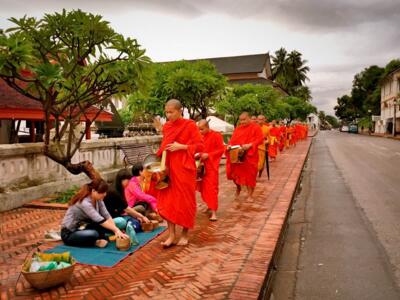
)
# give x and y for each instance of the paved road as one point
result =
(344, 236)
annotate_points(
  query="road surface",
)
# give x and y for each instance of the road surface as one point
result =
(344, 235)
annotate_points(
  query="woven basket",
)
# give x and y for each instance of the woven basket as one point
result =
(47, 279)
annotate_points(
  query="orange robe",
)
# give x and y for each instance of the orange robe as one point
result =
(208, 186)
(245, 173)
(261, 147)
(177, 202)
(282, 138)
(274, 134)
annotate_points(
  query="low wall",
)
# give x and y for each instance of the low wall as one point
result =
(26, 174)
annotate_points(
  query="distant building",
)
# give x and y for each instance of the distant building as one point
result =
(22, 118)
(313, 121)
(390, 90)
(254, 69)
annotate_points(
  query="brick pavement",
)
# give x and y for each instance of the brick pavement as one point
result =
(227, 259)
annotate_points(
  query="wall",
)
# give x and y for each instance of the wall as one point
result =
(26, 174)
(389, 91)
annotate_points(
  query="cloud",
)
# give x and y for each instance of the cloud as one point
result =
(339, 38)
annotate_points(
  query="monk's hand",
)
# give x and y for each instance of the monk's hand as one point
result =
(175, 147)
(204, 156)
(119, 234)
(157, 124)
(246, 147)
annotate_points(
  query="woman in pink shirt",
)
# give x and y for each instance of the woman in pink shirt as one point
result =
(134, 195)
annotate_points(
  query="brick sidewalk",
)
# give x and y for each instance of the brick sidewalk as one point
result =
(225, 259)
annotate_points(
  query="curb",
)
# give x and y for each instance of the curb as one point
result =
(266, 289)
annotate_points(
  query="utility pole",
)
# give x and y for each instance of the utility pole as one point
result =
(394, 116)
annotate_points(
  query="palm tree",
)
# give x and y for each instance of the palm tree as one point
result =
(290, 71)
(279, 64)
(297, 67)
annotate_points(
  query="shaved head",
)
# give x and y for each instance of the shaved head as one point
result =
(174, 103)
(173, 110)
(244, 118)
(261, 120)
(203, 126)
(203, 122)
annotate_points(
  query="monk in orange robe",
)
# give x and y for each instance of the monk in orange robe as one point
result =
(262, 147)
(282, 142)
(211, 157)
(274, 139)
(249, 136)
(177, 202)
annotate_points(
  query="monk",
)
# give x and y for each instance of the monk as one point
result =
(254, 119)
(177, 202)
(282, 142)
(274, 139)
(263, 146)
(211, 157)
(249, 136)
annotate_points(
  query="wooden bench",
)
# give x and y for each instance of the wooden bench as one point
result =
(134, 153)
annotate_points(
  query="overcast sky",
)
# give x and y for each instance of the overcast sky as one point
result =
(338, 37)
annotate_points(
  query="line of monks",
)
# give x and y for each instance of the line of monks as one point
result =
(185, 141)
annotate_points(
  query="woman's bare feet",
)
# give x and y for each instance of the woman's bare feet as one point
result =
(101, 243)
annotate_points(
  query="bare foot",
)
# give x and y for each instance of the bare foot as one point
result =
(168, 242)
(101, 243)
(206, 210)
(183, 241)
(213, 216)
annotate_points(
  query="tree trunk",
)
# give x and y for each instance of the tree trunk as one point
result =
(83, 167)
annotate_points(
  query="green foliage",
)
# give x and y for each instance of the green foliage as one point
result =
(69, 61)
(262, 99)
(290, 71)
(126, 116)
(198, 85)
(332, 121)
(299, 109)
(65, 196)
(365, 97)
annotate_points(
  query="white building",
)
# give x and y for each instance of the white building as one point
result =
(313, 121)
(390, 92)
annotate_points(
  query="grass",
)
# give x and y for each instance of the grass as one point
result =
(65, 196)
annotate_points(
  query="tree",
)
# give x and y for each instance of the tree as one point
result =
(198, 85)
(332, 121)
(262, 99)
(233, 105)
(63, 61)
(299, 109)
(290, 71)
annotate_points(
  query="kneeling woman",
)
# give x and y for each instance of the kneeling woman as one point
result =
(87, 220)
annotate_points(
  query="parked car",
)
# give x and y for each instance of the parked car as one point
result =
(344, 128)
(353, 128)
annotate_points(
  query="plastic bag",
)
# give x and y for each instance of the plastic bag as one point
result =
(130, 231)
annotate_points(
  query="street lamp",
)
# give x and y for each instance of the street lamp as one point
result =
(394, 116)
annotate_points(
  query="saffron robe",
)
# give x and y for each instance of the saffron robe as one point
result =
(282, 138)
(245, 173)
(177, 202)
(208, 186)
(274, 139)
(262, 147)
